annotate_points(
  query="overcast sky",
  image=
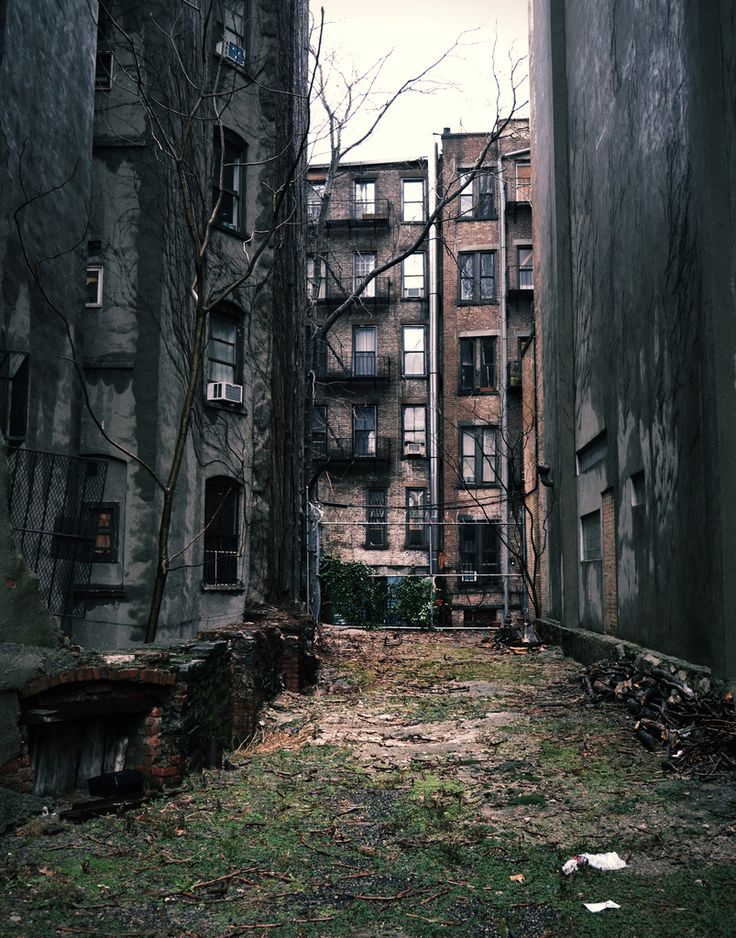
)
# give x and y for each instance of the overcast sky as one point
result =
(418, 32)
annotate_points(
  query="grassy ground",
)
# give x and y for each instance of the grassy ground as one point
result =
(429, 786)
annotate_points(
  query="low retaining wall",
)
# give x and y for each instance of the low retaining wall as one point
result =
(587, 647)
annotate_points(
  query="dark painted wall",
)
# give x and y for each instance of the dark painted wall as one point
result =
(633, 111)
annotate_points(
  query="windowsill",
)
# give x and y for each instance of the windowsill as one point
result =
(415, 223)
(413, 299)
(415, 546)
(375, 547)
(466, 218)
(240, 69)
(225, 229)
(238, 587)
(478, 393)
(100, 591)
(414, 456)
(414, 377)
(491, 301)
(229, 408)
(477, 485)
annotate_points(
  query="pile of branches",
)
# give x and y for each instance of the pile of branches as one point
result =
(696, 732)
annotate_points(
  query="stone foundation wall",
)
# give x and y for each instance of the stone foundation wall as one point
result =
(186, 702)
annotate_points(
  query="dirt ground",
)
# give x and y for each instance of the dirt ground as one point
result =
(430, 784)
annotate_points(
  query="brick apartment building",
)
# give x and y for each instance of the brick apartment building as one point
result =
(417, 409)
(370, 421)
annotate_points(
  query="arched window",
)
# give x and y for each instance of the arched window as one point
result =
(222, 531)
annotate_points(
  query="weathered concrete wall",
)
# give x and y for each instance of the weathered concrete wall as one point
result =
(635, 307)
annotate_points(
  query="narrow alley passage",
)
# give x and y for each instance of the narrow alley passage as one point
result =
(430, 784)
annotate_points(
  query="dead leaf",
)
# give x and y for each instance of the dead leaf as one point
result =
(517, 878)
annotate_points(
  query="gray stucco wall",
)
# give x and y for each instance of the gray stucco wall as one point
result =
(633, 118)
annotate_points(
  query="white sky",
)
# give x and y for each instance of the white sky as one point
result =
(419, 31)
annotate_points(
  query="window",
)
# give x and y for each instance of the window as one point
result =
(412, 277)
(94, 287)
(222, 349)
(364, 198)
(221, 531)
(364, 351)
(363, 264)
(477, 276)
(231, 163)
(14, 387)
(414, 340)
(416, 517)
(103, 70)
(376, 529)
(590, 536)
(364, 430)
(412, 200)
(478, 553)
(638, 489)
(525, 259)
(316, 282)
(523, 181)
(232, 23)
(315, 194)
(594, 452)
(478, 365)
(476, 200)
(414, 430)
(478, 452)
(319, 431)
(100, 526)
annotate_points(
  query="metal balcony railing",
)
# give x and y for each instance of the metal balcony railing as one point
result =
(351, 212)
(364, 366)
(332, 292)
(363, 449)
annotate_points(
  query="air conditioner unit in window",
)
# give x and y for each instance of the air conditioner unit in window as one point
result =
(224, 391)
(414, 449)
(469, 576)
(413, 293)
(231, 51)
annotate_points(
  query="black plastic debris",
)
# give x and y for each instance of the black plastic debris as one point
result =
(125, 782)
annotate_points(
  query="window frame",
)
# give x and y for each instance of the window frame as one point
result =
(404, 352)
(524, 186)
(315, 196)
(594, 518)
(312, 280)
(413, 432)
(97, 304)
(371, 359)
(234, 490)
(358, 257)
(406, 202)
(484, 578)
(527, 268)
(416, 534)
(369, 204)
(104, 71)
(480, 456)
(476, 343)
(371, 444)
(91, 553)
(477, 277)
(233, 154)
(235, 321)
(376, 518)
(422, 256)
(477, 202)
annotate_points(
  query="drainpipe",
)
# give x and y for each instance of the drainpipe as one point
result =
(434, 363)
(504, 392)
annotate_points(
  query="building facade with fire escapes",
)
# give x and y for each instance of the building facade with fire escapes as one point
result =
(417, 418)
